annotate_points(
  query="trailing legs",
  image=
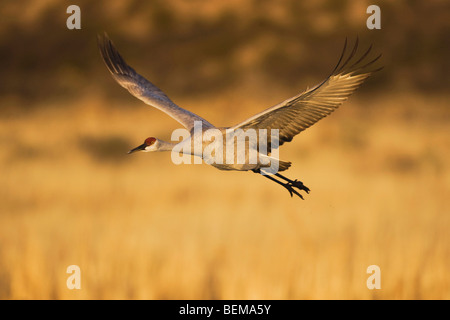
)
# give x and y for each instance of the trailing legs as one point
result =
(289, 185)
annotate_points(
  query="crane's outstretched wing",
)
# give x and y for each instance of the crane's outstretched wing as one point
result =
(298, 113)
(143, 89)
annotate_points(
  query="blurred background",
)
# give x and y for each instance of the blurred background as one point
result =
(140, 227)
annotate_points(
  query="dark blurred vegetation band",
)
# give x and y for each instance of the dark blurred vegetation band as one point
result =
(200, 47)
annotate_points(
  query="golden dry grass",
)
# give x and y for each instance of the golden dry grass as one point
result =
(141, 227)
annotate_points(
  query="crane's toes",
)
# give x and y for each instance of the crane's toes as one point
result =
(292, 191)
(300, 185)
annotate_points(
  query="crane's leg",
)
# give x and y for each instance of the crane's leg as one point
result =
(289, 185)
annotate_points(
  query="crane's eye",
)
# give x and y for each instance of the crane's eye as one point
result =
(150, 141)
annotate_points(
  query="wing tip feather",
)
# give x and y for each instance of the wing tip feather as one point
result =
(111, 56)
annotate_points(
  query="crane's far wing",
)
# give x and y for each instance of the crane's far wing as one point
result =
(141, 88)
(298, 113)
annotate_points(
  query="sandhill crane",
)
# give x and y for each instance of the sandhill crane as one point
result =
(290, 117)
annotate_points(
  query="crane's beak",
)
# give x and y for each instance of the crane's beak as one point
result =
(140, 148)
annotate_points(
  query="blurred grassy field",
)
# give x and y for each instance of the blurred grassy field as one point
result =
(141, 227)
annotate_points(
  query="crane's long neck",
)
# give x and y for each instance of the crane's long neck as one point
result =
(165, 146)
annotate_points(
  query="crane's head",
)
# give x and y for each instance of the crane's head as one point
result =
(150, 144)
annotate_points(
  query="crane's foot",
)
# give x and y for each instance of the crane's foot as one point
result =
(294, 183)
(289, 184)
(291, 190)
(300, 185)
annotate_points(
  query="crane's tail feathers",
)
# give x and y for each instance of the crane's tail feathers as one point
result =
(283, 165)
(274, 165)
